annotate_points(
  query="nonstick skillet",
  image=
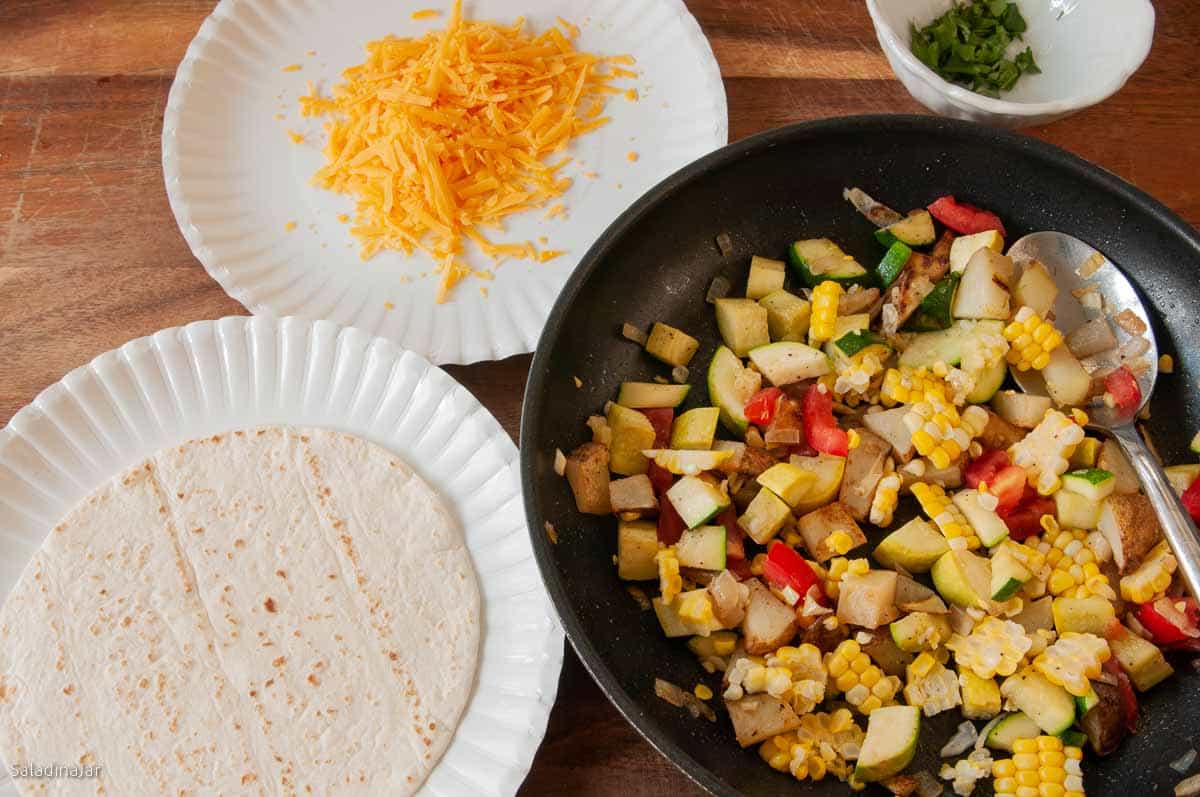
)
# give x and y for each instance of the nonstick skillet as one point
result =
(657, 261)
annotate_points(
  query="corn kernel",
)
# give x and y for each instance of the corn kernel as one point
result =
(823, 319)
(703, 692)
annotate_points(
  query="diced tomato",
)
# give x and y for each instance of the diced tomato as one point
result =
(985, 467)
(1009, 487)
(740, 568)
(670, 524)
(661, 479)
(1167, 625)
(1129, 701)
(661, 419)
(760, 409)
(1191, 500)
(786, 568)
(964, 218)
(820, 426)
(1122, 385)
(735, 538)
(1025, 519)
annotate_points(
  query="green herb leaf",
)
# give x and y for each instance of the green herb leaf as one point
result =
(1012, 20)
(968, 45)
(1026, 63)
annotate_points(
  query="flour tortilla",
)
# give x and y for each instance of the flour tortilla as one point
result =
(272, 611)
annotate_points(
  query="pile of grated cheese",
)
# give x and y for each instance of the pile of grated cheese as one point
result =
(440, 138)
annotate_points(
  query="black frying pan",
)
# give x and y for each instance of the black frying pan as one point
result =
(656, 262)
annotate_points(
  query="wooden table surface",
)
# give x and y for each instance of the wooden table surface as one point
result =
(90, 255)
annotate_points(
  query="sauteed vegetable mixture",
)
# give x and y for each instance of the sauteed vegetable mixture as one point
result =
(1033, 591)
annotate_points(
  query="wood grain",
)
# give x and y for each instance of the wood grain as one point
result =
(90, 255)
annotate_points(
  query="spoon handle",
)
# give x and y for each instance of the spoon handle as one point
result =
(1176, 523)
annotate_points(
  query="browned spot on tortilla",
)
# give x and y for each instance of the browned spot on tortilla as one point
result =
(433, 726)
(249, 777)
(162, 510)
(313, 679)
(144, 683)
(281, 573)
(279, 661)
(270, 682)
(333, 576)
(239, 543)
(216, 438)
(179, 496)
(126, 622)
(393, 655)
(69, 689)
(269, 605)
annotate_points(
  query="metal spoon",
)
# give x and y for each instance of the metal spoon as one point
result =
(1063, 255)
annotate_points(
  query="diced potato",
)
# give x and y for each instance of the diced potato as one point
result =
(1113, 460)
(999, 433)
(889, 425)
(587, 473)
(769, 622)
(1022, 410)
(864, 469)
(1035, 289)
(1130, 525)
(729, 599)
(1066, 380)
(1091, 338)
(817, 526)
(759, 717)
(632, 494)
(868, 600)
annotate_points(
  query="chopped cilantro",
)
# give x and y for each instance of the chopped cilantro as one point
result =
(967, 45)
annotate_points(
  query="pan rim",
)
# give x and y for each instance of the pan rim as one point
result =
(535, 390)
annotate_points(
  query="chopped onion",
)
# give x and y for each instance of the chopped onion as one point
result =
(698, 708)
(551, 532)
(719, 289)
(669, 692)
(1184, 762)
(1189, 787)
(680, 374)
(1132, 348)
(985, 730)
(724, 243)
(1130, 322)
(864, 638)
(782, 437)
(963, 738)
(754, 438)
(639, 595)
(560, 462)
(630, 332)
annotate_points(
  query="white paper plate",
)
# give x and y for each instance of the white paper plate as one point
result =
(211, 376)
(235, 179)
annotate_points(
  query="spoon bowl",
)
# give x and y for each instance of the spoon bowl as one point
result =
(1081, 271)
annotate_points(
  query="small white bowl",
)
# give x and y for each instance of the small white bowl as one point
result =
(1086, 50)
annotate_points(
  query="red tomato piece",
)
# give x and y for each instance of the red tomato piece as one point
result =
(661, 419)
(661, 479)
(786, 568)
(760, 409)
(1166, 624)
(1191, 500)
(670, 524)
(1129, 701)
(1122, 385)
(1009, 487)
(1025, 520)
(985, 467)
(964, 218)
(821, 428)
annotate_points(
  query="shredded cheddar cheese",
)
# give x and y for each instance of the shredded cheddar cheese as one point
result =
(291, 225)
(297, 138)
(292, 68)
(439, 138)
(426, 13)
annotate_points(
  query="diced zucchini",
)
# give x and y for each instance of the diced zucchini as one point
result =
(890, 744)
(695, 429)
(980, 696)
(696, 501)
(632, 433)
(1051, 707)
(1194, 446)
(964, 579)
(983, 291)
(1086, 703)
(1090, 615)
(651, 395)
(1142, 660)
(988, 382)
(1073, 738)
(945, 345)
(702, 548)
(687, 463)
(818, 260)
(730, 386)
(743, 324)
(1094, 484)
(915, 229)
(788, 481)
(1084, 455)
(915, 547)
(1035, 289)
(1008, 575)
(966, 245)
(828, 470)
(1073, 511)
(1012, 727)
(766, 515)
(854, 342)
(935, 308)
(766, 277)
(1181, 476)
(637, 544)
(670, 345)
(893, 263)
(1066, 380)
(920, 631)
(788, 361)
(988, 526)
(787, 315)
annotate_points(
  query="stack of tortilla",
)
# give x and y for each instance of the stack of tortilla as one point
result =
(269, 611)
